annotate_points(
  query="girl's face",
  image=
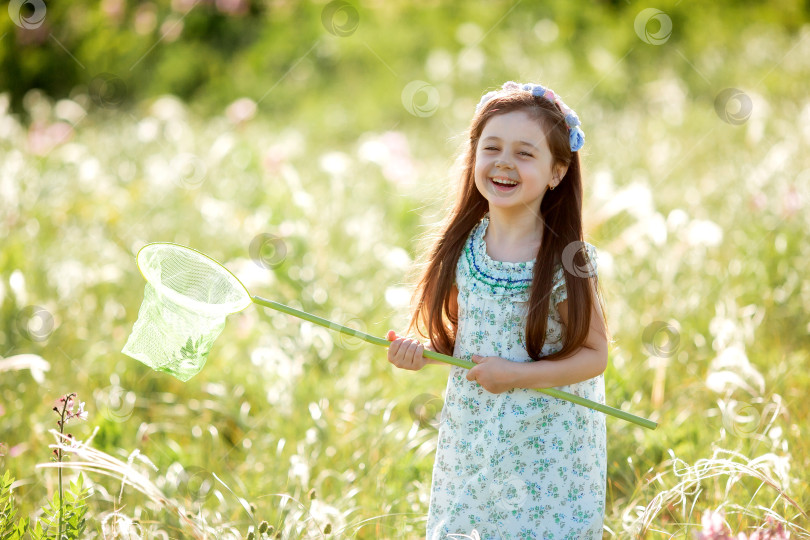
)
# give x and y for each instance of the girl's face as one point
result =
(513, 149)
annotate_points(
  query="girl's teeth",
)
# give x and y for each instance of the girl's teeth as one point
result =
(504, 182)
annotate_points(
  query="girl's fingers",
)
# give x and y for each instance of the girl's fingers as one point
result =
(415, 352)
(411, 354)
(405, 353)
(397, 352)
(393, 349)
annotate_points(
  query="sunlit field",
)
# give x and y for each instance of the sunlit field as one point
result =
(697, 201)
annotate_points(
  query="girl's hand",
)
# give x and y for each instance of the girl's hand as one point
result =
(406, 353)
(493, 373)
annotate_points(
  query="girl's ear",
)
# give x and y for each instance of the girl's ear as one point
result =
(560, 171)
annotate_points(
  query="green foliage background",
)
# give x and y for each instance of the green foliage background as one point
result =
(702, 223)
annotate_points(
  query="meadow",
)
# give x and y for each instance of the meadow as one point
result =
(697, 182)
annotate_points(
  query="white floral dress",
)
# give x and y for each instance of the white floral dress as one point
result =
(519, 464)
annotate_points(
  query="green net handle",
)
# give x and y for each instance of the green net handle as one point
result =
(618, 413)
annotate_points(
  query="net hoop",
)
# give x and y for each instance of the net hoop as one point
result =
(213, 310)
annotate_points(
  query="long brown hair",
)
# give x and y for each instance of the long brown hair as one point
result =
(561, 211)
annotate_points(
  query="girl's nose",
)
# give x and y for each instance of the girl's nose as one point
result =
(503, 164)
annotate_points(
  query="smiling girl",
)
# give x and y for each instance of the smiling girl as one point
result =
(512, 285)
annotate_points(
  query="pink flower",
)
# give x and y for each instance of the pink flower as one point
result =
(171, 29)
(113, 9)
(184, 6)
(392, 153)
(770, 532)
(274, 158)
(69, 413)
(791, 202)
(714, 527)
(80, 414)
(145, 18)
(241, 110)
(759, 200)
(233, 7)
(44, 138)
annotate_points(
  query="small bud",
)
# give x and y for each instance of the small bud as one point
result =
(56, 409)
(312, 494)
(263, 527)
(250, 535)
(327, 529)
(270, 529)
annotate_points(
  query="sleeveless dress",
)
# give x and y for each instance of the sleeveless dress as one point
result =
(519, 464)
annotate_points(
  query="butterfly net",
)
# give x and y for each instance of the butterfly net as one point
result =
(187, 298)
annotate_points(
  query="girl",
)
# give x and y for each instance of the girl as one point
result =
(509, 285)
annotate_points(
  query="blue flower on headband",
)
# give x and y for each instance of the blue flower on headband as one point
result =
(576, 138)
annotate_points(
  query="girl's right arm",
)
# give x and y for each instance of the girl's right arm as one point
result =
(406, 353)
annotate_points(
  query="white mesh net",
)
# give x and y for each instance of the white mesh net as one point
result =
(187, 298)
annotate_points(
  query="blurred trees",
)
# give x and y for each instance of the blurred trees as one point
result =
(286, 54)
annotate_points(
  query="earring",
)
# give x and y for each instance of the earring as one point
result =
(551, 188)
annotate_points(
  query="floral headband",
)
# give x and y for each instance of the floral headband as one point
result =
(576, 137)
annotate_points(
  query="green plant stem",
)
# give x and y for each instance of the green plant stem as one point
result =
(59, 460)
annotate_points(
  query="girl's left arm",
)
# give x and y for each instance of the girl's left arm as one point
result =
(588, 362)
(498, 375)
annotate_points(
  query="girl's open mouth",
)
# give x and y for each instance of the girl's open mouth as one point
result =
(503, 185)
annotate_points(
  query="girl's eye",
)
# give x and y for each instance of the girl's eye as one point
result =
(490, 148)
(527, 154)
